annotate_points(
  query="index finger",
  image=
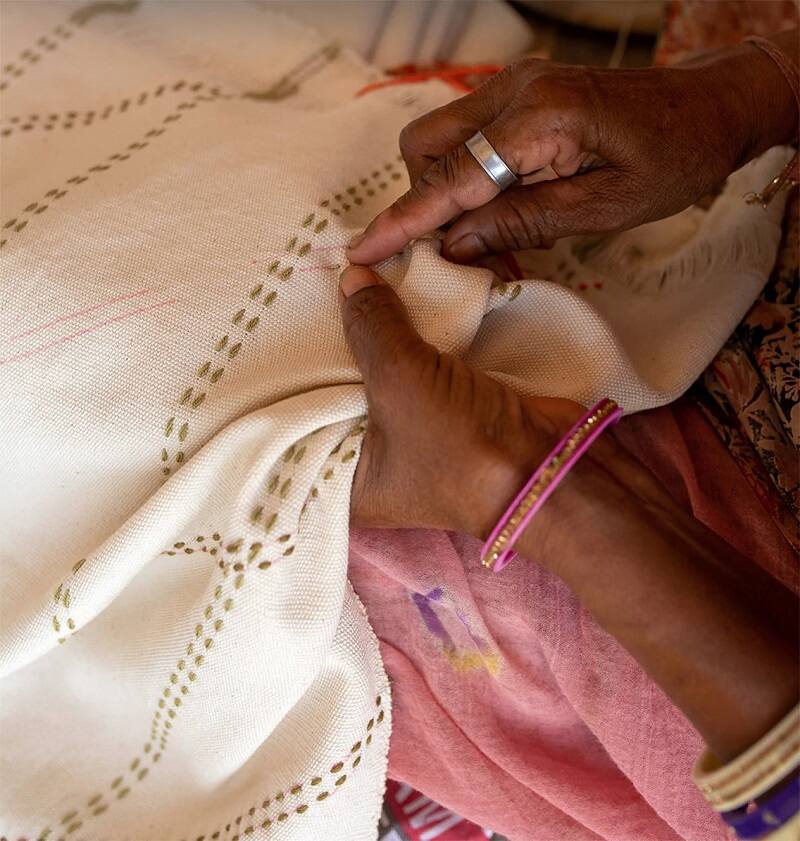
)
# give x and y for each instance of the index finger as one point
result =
(451, 185)
(526, 137)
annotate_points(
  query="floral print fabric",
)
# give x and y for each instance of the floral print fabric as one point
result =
(751, 390)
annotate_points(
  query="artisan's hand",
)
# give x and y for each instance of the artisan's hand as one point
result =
(446, 446)
(449, 447)
(631, 146)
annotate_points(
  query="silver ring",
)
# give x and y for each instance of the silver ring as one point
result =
(493, 165)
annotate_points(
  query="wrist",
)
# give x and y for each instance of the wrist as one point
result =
(501, 471)
(604, 503)
(502, 475)
(756, 107)
(596, 503)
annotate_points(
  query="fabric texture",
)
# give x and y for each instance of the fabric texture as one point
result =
(181, 653)
(511, 706)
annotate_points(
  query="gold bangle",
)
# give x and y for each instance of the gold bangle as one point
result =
(755, 771)
(782, 181)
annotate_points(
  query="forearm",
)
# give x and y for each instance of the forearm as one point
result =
(713, 630)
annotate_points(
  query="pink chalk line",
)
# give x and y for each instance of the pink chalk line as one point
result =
(79, 333)
(79, 313)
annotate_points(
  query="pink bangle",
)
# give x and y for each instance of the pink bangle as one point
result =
(498, 550)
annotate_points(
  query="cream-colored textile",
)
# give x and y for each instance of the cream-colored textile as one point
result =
(181, 653)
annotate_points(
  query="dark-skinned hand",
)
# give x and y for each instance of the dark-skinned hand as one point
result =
(448, 447)
(630, 146)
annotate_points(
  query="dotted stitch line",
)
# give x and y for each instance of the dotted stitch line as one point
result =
(193, 396)
(277, 487)
(278, 801)
(20, 222)
(63, 32)
(30, 57)
(340, 203)
(233, 548)
(278, 484)
(210, 545)
(180, 681)
(184, 676)
(68, 119)
(214, 544)
(65, 625)
(205, 632)
(244, 323)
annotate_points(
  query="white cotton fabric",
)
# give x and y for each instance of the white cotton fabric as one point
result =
(181, 655)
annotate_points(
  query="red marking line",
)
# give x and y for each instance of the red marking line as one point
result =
(79, 313)
(76, 335)
(456, 77)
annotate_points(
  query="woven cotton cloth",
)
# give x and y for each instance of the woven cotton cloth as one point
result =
(181, 654)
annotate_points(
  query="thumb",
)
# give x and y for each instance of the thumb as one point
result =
(531, 217)
(377, 328)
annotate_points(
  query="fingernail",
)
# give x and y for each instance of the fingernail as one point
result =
(355, 278)
(356, 240)
(470, 247)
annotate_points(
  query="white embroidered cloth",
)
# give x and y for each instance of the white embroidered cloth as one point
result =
(181, 654)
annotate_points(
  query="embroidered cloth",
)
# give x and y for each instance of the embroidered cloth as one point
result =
(181, 654)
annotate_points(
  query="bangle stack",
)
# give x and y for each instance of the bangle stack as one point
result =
(498, 551)
(758, 794)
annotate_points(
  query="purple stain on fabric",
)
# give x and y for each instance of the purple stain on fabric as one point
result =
(431, 620)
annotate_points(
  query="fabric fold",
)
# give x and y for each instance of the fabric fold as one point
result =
(181, 417)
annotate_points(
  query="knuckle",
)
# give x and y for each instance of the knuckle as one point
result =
(525, 68)
(566, 93)
(439, 179)
(452, 170)
(408, 138)
(447, 173)
(404, 211)
(430, 182)
(510, 232)
(524, 224)
(449, 176)
(367, 309)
